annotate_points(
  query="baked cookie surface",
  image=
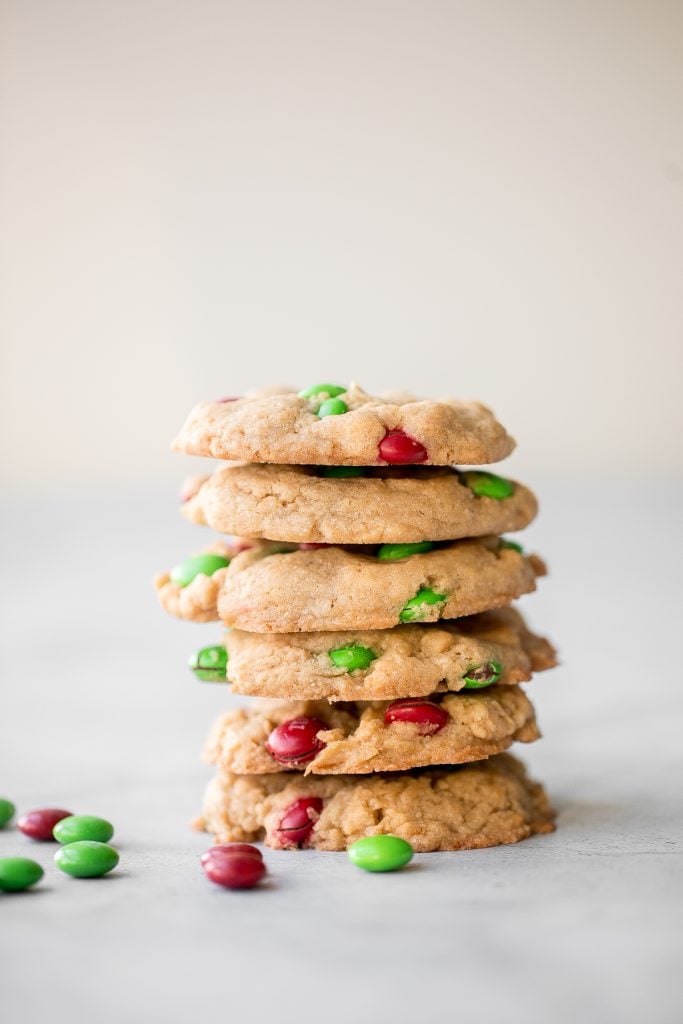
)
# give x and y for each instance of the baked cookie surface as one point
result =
(343, 426)
(276, 588)
(412, 660)
(355, 738)
(387, 505)
(469, 807)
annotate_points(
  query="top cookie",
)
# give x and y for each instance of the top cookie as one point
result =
(331, 425)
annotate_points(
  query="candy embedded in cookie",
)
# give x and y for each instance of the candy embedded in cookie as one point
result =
(338, 425)
(210, 664)
(430, 808)
(363, 736)
(413, 660)
(387, 505)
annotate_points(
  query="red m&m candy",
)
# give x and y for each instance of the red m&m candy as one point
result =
(295, 742)
(428, 716)
(399, 449)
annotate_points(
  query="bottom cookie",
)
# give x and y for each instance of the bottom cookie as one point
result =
(461, 808)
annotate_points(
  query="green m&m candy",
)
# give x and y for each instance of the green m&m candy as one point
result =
(86, 859)
(332, 407)
(7, 810)
(331, 390)
(380, 853)
(503, 543)
(478, 676)
(488, 485)
(351, 657)
(418, 607)
(210, 664)
(18, 873)
(341, 471)
(394, 552)
(197, 565)
(82, 826)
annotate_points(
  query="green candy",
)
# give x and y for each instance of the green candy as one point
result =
(210, 664)
(415, 610)
(332, 407)
(478, 676)
(7, 810)
(78, 827)
(342, 471)
(17, 873)
(488, 485)
(351, 657)
(197, 565)
(86, 859)
(503, 543)
(393, 552)
(331, 390)
(380, 853)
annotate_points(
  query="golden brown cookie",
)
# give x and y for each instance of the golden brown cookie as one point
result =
(342, 426)
(387, 505)
(460, 808)
(358, 737)
(412, 660)
(272, 588)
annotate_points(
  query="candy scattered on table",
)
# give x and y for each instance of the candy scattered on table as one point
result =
(86, 859)
(39, 824)
(7, 810)
(82, 826)
(380, 853)
(18, 873)
(234, 865)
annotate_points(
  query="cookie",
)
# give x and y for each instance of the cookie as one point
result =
(359, 737)
(413, 660)
(387, 505)
(342, 426)
(462, 808)
(274, 588)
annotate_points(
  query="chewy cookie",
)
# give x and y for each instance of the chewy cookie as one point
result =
(355, 738)
(335, 425)
(460, 808)
(386, 505)
(412, 660)
(280, 589)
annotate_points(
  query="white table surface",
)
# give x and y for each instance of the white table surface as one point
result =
(100, 714)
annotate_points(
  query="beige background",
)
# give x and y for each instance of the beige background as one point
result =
(478, 198)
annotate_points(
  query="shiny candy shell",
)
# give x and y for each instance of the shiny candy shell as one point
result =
(18, 873)
(86, 859)
(82, 826)
(380, 853)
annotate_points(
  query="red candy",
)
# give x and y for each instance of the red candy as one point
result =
(295, 741)
(222, 401)
(233, 870)
(39, 824)
(313, 547)
(230, 850)
(296, 824)
(430, 717)
(399, 449)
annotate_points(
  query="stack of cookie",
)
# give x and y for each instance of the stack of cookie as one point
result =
(367, 592)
